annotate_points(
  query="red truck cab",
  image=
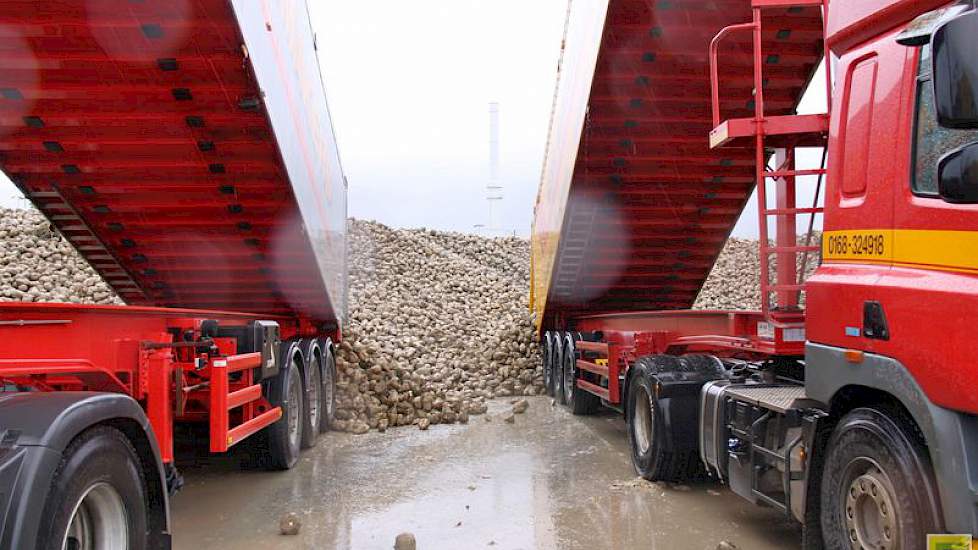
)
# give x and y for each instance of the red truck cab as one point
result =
(897, 288)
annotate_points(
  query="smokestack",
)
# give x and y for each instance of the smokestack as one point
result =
(494, 189)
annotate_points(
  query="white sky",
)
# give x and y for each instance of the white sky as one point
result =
(409, 85)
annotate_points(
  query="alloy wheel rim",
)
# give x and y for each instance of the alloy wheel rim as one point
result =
(315, 392)
(295, 411)
(99, 521)
(569, 377)
(871, 519)
(642, 423)
(328, 393)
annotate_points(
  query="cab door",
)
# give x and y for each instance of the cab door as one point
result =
(863, 140)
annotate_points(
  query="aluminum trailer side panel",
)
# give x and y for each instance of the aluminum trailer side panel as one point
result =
(648, 205)
(578, 56)
(165, 139)
(282, 48)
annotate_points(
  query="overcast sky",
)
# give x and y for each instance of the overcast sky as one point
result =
(409, 86)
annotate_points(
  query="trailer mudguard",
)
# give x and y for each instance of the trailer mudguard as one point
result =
(684, 375)
(678, 380)
(36, 428)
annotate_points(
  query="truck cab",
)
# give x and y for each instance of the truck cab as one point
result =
(891, 307)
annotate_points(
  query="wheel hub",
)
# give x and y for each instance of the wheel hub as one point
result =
(642, 423)
(315, 391)
(295, 411)
(328, 393)
(870, 515)
(98, 522)
(569, 380)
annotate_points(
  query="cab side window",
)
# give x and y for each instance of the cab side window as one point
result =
(931, 140)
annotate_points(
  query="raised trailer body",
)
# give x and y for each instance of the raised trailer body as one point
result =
(850, 410)
(186, 150)
(634, 206)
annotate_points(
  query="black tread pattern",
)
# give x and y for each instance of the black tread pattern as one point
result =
(679, 467)
(50, 516)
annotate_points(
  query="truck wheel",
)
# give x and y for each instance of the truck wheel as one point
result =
(579, 401)
(312, 406)
(652, 438)
(548, 364)
(877, 486)
(98, 496)
(329, 391)
(285, 435)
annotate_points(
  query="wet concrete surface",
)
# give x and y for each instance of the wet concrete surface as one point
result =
(549, 481)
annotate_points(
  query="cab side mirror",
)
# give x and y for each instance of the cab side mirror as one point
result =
(957, 175)
(955, 71)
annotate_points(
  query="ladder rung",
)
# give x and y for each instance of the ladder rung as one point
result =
(786, 211)
(795, 173)
(777, 288)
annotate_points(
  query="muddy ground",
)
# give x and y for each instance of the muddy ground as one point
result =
(548, 481)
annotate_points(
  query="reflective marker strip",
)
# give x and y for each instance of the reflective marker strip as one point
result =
(920, 248)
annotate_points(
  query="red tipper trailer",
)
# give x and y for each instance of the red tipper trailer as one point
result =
(185, 148)
(855, 418)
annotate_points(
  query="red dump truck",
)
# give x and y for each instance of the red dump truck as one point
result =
(185, 149)
(847, 401)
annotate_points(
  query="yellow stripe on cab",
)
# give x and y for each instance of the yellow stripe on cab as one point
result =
(922, 248)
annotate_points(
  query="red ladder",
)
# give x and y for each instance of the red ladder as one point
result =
(783, 134)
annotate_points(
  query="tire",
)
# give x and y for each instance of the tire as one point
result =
(285, 436)
(661, 450)
(548, 364)
(329, 390)
(312, 404)
(99, 489)
(558, 360)
(580, 402)
(877, 485)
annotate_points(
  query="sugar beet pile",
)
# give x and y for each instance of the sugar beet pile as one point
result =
(38, 265)
(438, 321)
(438, 324)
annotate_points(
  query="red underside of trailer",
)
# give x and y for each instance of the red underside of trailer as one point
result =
(137, 128)
(627, 336)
